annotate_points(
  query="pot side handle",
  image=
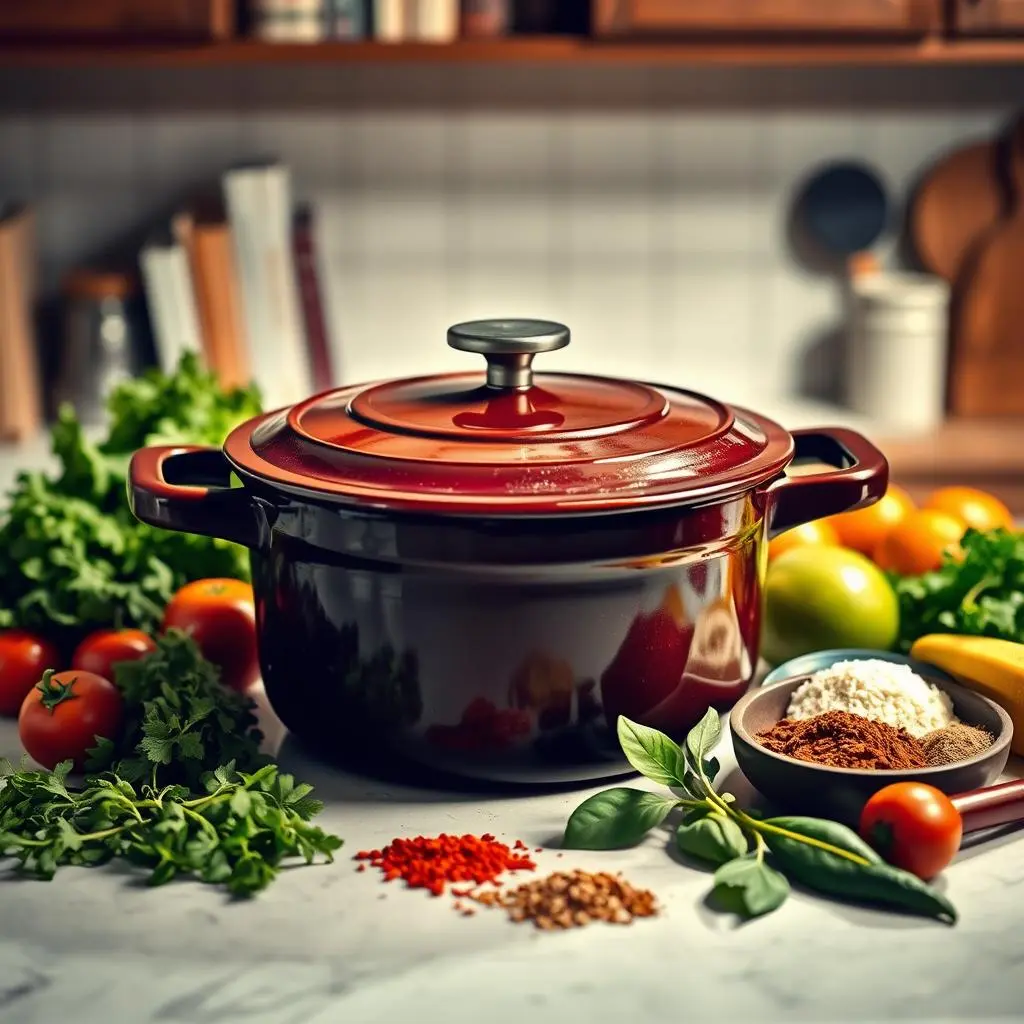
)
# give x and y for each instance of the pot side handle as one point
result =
(187, 488)
(860, 478)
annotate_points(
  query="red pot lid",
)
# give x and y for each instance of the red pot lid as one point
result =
(509, 440)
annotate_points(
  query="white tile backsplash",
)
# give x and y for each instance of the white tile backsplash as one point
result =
(19, 157)
(659, 234)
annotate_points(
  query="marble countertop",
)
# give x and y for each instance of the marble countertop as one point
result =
(328, 944)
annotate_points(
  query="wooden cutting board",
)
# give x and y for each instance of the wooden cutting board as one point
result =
(959, 199)
(987, 363)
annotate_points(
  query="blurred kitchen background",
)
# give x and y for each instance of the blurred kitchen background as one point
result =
(720, 196)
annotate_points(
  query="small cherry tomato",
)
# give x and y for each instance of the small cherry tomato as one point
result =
(23, 660)
(64, 714)
(101, 651)
(220, 616)
(913, 826)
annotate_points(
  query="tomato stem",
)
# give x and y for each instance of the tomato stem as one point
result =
(53, 693)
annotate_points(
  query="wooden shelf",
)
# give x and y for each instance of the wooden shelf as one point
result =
(982, 453)
(522, 50)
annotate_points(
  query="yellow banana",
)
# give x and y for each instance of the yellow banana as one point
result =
(989, 666)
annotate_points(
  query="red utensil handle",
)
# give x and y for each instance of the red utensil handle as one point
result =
(188, 489)
(1001, 804)
(860, 477)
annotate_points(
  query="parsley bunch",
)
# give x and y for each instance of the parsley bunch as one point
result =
(184, 789)
(981, 594)
(73, 558)
(237, 832)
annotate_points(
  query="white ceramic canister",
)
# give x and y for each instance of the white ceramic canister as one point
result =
(897, 349)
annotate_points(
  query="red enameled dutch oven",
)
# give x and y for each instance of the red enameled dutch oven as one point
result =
(480, 571)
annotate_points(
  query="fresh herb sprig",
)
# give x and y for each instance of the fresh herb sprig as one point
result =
(980, 593)
(180, 721)
(755, 858)
(182, 790)
(237, 832)
(73, 558)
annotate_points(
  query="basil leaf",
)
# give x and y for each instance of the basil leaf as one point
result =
(831, 873)
(712, 767)
(824, 831)
(694, 786)
(703, 737)
(713, 837)
(750, 886)
(651, 752)
(615, 818)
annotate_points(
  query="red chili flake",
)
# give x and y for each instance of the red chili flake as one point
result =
(430, 863)
(540, 849)
(362, 867)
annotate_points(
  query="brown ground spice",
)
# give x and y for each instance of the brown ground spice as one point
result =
(572, 899)
(844, 740)
(955, 742)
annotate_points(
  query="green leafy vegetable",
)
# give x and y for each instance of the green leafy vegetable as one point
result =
(614, 818)
(651, 752)
(981, 594)
(184, 790)
(238, 832)
(754, 855)
(862, 876)
(180, 722)
(749, 886)
(712, 836)
(72, 556)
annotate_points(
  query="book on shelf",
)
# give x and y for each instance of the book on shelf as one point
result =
(428, 21)
(168, 288)
(204, 234)
(258, 198)
(291, 21)
(348, 19)
(311, 298)
(21, 414)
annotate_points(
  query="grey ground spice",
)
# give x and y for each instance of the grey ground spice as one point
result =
(955, 742)
(572, 899)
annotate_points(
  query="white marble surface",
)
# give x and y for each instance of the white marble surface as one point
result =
(328, 944)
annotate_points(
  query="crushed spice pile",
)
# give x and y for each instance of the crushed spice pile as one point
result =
(429, 863)
(572, 899)
(955, 742)
(840, 739)
(565, 899)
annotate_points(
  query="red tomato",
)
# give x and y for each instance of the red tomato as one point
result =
(23, 660)
(220, 615)
(62, 717)
(101, 651)
(913, 826)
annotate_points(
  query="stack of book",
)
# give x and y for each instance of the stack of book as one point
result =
(20, 394)
(234, 278)
(387, 21)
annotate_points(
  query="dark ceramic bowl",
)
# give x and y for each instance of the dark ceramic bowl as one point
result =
(840, 793)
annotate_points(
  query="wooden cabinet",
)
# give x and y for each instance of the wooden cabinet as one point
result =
(117, 19)
(988, 17)
(852, 17)
(794, 17)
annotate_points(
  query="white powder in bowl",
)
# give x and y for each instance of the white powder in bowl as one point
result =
(876, 689)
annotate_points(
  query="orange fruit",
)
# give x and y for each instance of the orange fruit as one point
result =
(976, 508)
(866, 528)
(917, 544)
(818, 531)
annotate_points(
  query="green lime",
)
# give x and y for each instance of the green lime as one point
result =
(821, 597)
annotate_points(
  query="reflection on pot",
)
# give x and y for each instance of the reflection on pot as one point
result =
(483, 726)
(544, 685)
(668, 672)
(642, 681)
(382, 691)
